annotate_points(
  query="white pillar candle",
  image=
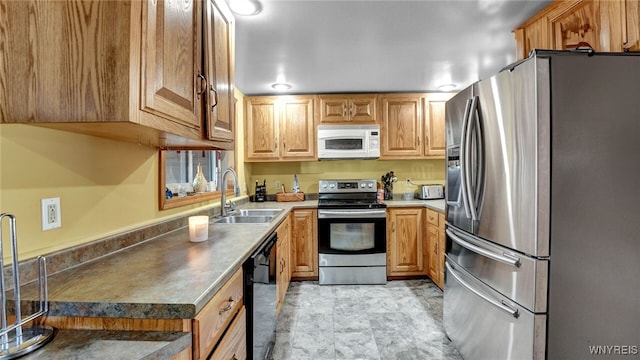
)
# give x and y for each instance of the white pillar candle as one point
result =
(198, 228)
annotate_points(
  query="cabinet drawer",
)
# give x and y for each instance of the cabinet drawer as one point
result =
(214, 318)
(432, 217)
(234, 343)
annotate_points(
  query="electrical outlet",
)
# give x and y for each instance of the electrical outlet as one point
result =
(51, 216)
(278, 184)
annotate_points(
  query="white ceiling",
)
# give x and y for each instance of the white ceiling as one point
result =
(324, 46)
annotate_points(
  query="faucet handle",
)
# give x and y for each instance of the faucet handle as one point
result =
(230, 205)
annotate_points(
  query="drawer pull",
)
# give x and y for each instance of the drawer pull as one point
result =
(227, 307)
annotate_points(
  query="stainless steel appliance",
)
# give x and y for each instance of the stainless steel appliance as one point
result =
(348, 142)
(541, 261)
(260, 297)
(352, 235)
(428, 192)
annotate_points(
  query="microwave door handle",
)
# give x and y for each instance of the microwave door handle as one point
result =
(500, 305)
(463, 159)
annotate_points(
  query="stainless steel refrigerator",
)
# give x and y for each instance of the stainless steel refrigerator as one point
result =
(543, 210)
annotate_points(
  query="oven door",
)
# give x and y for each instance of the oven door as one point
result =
(351, 231)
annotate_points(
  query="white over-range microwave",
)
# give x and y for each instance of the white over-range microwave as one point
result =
(348, 142)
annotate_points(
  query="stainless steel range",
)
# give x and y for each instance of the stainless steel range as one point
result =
(352, 239)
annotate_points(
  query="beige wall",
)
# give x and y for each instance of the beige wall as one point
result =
(108, 187)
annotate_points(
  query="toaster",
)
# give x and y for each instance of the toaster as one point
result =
(428, 192)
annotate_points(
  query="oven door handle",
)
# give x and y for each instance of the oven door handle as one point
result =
(347, 214)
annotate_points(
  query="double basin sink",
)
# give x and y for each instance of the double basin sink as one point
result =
(249, 216)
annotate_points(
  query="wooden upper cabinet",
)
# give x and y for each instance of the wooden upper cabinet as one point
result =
(171, 54)
(347, 109)
(631, 29)
(434, 129)
(261, 122)
(280, 128)
(219, 63)
(401, 126)
(125, 70)
(602, 25)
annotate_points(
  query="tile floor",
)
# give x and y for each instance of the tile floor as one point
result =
(397, 321)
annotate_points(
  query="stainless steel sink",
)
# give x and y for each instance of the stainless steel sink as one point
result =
(244, 220)
(258, 212)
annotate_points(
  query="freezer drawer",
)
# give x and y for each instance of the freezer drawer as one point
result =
(482, 324)
(521, 278)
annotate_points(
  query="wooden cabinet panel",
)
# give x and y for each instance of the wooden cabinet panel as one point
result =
(401, 126)
(219, 59)
(406, 251)
(631, 28)
(280, 128)
(434, 128)
(297, 129)
(436, 246)
(304, 244)
(171, 54)
(442, 241)
(234, 343)
(211, 322)
(283, 264)
(347, 109)
(261, 121)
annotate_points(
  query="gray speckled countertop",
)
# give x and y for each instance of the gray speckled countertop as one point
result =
(437, 205)
(167, 277)
(112, 345)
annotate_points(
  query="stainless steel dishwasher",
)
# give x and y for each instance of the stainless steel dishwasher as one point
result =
(260, 296)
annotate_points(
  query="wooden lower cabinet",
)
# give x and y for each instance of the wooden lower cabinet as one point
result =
(304, 244)
(234, 343)
(436, 246)
(216, 317)
(406, 245)
(283, 263)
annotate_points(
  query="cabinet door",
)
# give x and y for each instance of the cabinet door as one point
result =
(362, 109)
(333, 109)
(297, 130)
(304, 244)
(442, 240)
(234, 343)
(434, 259)
(588, 23)
(434, 131)
(533, 36)
(171, 61)
(401, 127)
(282, 264)
(261, 121)
(405, 242)
(631, 40)
(219, 55)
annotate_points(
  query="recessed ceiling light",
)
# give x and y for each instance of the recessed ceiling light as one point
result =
(281, 86)
(245, 7)
(447, 87)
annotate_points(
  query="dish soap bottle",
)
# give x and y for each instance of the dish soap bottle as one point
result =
(199, 181)
(296, 185)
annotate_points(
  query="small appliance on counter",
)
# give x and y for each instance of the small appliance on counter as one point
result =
(430, 192)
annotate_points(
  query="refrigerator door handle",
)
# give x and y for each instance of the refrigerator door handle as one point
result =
(463, 159)
(503, 258)
(500, 305)
(481, 159)
(467, 164)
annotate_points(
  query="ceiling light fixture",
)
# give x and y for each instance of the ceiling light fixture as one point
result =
(245, 7)
(447, 87)
(281, 86)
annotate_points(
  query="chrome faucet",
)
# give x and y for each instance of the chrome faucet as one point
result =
(224, 207)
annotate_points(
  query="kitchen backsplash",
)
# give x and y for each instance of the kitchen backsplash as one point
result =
(419, 171)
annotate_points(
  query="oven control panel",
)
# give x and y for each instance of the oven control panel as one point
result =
(337, 186)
